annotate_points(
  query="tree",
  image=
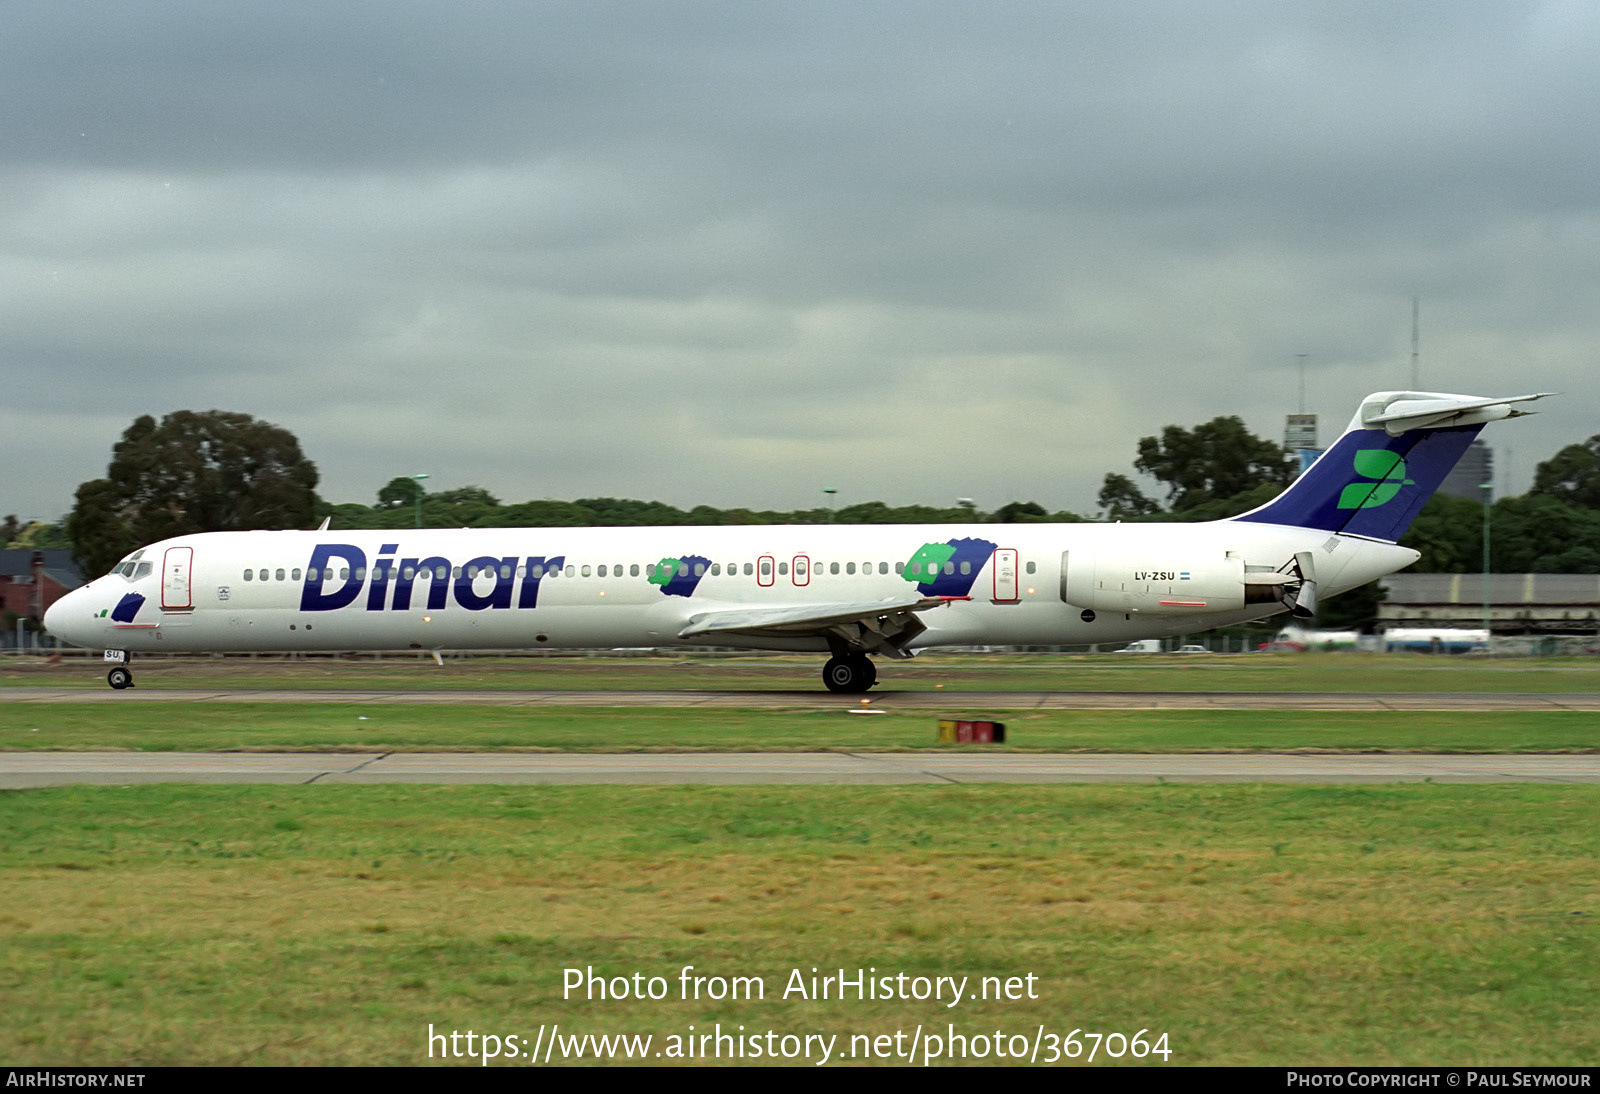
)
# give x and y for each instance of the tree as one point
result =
(400, 493)
(208, 471)
(1020, 512)
(1572, 475)
(1120, 499)
(1219, 459)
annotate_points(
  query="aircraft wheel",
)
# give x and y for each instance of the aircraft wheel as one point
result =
(849, 674)
(120, 678)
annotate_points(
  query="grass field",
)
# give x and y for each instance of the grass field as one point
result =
(1413, 924)
(386, 728)
(1252, 924)
(956, 672)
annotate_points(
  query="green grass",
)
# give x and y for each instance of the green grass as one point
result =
(154, 726)
(1275, 672)
(1254, 924)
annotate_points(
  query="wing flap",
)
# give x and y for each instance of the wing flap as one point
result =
(880, 626)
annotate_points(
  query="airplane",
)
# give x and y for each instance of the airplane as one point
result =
(854, 592)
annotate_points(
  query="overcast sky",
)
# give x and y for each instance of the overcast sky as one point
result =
(732, 253)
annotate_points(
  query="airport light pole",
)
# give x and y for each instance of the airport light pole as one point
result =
(830, 491)
(1488, 496)
(418, 496)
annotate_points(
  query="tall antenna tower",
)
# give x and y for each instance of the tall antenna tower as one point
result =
(1415, 379)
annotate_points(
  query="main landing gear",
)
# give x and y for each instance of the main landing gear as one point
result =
(853, 672)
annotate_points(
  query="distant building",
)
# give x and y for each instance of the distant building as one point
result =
(1300, 438)
(1475, 468)
(31, 581)
(1537, 604)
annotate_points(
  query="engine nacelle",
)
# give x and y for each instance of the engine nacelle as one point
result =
(1174, 583)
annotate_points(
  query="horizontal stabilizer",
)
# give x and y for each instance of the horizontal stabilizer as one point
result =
(1430, 410)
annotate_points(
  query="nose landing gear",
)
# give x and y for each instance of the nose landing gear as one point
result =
(852, 672)
(120, 675)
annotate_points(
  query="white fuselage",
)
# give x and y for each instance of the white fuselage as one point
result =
(520, 588)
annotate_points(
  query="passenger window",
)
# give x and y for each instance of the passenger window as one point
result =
(683, 569)
(296, 576)
(571, 571)
(248, 574)
(766, 568)
(699, 569)
(601, 572)
(949, 567)
(505, 571)
(716, 569)
(833, 567)
(783, 567)
(747, 569)
(1032, 567)
(279, 575)
(883, 567)
(900, 567)
(586, 571)
(633, 570)
(361, 573)
(472, 572)
(441, 572)
(409, 572)
(849, 567)
(966, 568)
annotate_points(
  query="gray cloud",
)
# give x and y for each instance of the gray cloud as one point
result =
(732, 253)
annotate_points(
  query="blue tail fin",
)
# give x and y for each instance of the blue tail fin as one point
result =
(1378, 476)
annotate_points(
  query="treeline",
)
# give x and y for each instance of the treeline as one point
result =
(220, 471)
(404, 504)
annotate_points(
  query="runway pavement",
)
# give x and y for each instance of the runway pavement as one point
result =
(35, 769)
(822, 700)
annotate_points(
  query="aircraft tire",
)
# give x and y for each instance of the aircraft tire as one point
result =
(119, 678)
(848, 675)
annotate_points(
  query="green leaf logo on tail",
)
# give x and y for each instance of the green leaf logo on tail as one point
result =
(1389, 471)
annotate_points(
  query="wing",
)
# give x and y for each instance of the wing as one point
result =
(877, 626)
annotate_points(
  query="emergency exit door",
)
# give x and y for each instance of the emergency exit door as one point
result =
(1005, 573)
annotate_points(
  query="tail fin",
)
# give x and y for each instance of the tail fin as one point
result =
(1396, 451)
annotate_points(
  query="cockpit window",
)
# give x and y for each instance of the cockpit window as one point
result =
(131, 569)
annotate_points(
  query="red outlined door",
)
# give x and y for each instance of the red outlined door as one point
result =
(802, 570)
(175, 567)
(1005, 573)
(764, 570)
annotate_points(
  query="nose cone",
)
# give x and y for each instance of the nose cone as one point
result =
(68, 619)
